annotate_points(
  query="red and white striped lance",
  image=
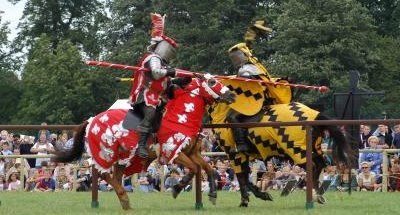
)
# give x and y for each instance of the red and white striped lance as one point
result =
(182, 73)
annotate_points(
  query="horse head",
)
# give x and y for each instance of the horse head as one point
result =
(213, 90)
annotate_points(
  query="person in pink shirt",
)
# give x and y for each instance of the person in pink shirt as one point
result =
(13, 182)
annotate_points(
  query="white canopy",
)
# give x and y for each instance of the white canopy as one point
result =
(120, 104)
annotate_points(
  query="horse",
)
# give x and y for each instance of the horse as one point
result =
(113, 146)
(280, 141)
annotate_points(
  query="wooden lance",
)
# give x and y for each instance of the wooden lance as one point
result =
(182, 73)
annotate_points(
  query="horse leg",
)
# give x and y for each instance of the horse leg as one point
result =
(257, 192)
(185, 161)
(320, 190)
(119, 190)
(244, 193)
(196, 157)
(118, 172)
(253, 188)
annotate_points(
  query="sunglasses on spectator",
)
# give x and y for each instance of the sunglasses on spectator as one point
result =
(364, 167)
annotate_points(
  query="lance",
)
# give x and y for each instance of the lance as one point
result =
(182, 73)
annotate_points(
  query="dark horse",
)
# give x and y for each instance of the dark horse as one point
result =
(111, 145)
(283, 141)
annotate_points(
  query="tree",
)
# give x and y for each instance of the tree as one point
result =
(386, 75)
(204, 29)
(9, 83)
(386, 15)
(316, 41)
(57, 89)
(79, 21)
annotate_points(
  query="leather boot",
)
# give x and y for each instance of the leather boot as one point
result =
(240, 138)
(142, 150)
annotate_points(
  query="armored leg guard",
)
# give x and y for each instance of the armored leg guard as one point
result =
(142, 149)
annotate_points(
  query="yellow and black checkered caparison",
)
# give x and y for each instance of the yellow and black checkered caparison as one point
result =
(283, 141)
(249, 96)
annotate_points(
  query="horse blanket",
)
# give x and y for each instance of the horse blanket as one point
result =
(108, 142)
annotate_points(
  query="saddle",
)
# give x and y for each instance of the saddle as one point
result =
(133, 118)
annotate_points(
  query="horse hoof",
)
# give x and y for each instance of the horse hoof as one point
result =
(244, 205)
(125, 205)
(321, 199)
(213, 200)
(212, 197)
(267, 197)
(175, 191)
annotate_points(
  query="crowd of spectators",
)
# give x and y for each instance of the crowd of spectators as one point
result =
(42, 175)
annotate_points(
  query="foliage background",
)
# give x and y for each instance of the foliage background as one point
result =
(314, 42)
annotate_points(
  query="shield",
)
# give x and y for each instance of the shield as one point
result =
(249, 96)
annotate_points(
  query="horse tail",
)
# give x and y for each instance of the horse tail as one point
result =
(342, 151)
(77, 149)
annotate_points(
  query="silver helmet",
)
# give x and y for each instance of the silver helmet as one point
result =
(238, 58)
(165, 50)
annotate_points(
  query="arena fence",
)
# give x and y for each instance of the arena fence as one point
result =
(308, 125)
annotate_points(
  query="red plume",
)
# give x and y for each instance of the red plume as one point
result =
(158, 25)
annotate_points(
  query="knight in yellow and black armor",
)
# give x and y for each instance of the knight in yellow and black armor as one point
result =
(248, 66)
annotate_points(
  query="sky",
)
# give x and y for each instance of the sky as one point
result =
(12, 13)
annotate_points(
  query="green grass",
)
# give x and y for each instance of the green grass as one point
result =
(364, 203)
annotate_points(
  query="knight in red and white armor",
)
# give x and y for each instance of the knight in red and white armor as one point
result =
(150, 83)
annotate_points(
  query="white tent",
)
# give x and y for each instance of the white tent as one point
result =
(120, 104)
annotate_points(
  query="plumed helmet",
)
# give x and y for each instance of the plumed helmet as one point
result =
(161, 44)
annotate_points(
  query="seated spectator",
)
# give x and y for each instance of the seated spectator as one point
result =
(224, 183)
(366, 179)
(127, 183)
(300, 176)
(103, 186)
(373, 159)
(394, 177)
(32, 180)
(42, 147)
(63, 182)
(331, 175)
(2, 166)
(205, 185)
(284, 177)
(3, 135)
(6, 149)
(3, 184)
(268, 178)
(172, 180)
(18, 168)
(396, 137)
(60, 143)
(82, 180)
(384, 135)
(144, 183)
(16, 143)
(13, 182)
(365, 133)
(65, 167)
(344, 182)
(234, 184)
(47, 183)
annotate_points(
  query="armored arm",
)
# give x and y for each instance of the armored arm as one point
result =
(249, 71)
(157, 69)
